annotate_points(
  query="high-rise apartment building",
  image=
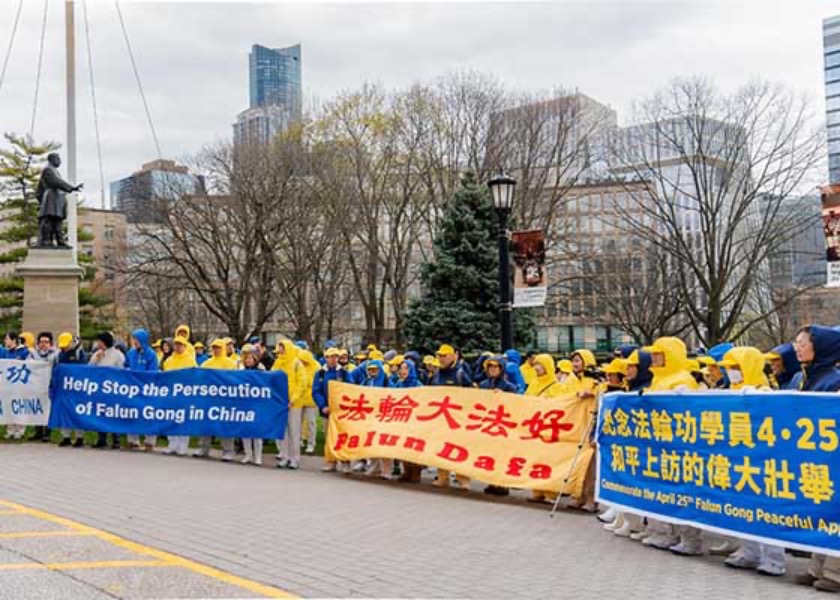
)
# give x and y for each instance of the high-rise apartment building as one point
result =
(136, 195)
(276, 93)
(831, 53)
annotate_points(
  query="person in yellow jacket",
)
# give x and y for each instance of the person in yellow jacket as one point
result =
(745, 370)
(583, 360)
(179, 359)
(344, 360)
(288, 456)
(230, 350)
(184, 331)
(616, 373)
(545, 385)
(566, 377)
(670, 368)
(309, 417)
(217, 360)
(527, 368)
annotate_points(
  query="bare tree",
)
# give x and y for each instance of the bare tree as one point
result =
(716, 173)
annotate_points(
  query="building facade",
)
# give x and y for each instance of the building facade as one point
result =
(137, 195)
(831, 54)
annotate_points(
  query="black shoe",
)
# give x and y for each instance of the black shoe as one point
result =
(64, 443)
(115, 446)
(495, 490)
(46, 439)
(79, 443)
(100, 445)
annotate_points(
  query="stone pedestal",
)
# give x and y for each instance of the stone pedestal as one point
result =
(50, 291)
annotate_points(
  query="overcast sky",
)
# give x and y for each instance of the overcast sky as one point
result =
(193, 57)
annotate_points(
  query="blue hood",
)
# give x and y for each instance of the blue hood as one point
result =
(626, 351)
(411, 380)
(514, 356)
(717, 352)
(380, 379)
(142, 336)
(826, 346)
(642, 381)
(789, 361)
(414, 357)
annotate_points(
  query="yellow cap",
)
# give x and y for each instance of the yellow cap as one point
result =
(64, 340)
(617, 365)
(376, 355)
(445, 350)
(333, 352)
(372, 347)
(198, 345)
(342, 351)
(219, 343)
(157, 344)
(705, 360)
(693, 365)
(180, 339)
(248, 349)
(428, 359)
(654, 349)
(565, 366)
(396, 361)
(435, 363)
(772, 356)
(728, 362)
(492, 361)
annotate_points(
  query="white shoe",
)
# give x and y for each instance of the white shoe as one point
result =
(725, 548)
(773, 569)
(662, 541)
(246, 460)
(181, 453)
(282, 464)
(741, 560)
(169, 451)
(359, 467)
(199, 454)
(258, 461)
(688, 549)
(617, 523)
(293, 465)
(608, 516)
(329, 468)
(310, 449)
(227, 456)
(624, 530)
(640, 536)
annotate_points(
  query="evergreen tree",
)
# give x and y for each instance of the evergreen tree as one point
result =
(20, 167)
(461, 283)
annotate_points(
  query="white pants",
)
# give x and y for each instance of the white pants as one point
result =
(132, 439)
(151, 440)
(15, 430)
(310, 426)
(253, 447)
(290, 445)
(179, 443)
(764, 554)
(65, 433)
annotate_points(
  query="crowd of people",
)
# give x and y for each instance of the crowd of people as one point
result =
(807, 364)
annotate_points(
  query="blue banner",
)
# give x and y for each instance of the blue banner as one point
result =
(248, 404)
(755, 465)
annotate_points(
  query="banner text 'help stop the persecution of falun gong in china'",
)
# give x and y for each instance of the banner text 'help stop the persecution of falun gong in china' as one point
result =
(248, 404)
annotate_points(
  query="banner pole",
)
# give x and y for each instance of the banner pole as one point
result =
(583, 440)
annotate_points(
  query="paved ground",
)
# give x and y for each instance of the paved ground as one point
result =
(154, 526)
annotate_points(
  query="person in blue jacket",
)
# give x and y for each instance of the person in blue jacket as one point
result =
(514, 373)
(331, 371)
(639, 374)
(141, 357)
(71, 352)
(818, 350)
(407, 378)
(16, 346)
(496, 377)
(784, 364)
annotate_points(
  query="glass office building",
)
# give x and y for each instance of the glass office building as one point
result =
(275, 78)
(831, 51)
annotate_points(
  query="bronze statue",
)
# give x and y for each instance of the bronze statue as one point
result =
(53, 204)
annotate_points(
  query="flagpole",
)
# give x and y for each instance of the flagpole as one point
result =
(70, 32)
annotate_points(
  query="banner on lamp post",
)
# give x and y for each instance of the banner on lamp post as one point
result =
(530, 281)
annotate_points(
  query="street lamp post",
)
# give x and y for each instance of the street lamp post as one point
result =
(501, 187)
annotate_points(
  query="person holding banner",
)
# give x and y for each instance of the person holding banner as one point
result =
(71, 353)
(218, 360)
(179, 359)
(15, 350)
(106, 355)
(288, 449)
(141, 357)
(309, 413)
(669, 360)
(584, 362)
(745, 370)
(184, 332)
(45, 352)
(450, 373)
(253, 447)
(331, 371)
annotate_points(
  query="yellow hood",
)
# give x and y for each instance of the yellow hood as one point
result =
(186, 328)
(751, 361)
(219, 362)
(676, 357)
(542, 385)
(588, 358)
(289, 356)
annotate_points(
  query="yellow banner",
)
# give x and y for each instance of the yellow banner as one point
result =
(502, 439)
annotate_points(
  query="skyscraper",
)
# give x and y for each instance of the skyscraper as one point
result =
(831, 52)
(276, 94)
